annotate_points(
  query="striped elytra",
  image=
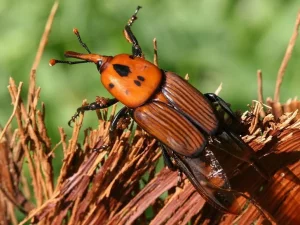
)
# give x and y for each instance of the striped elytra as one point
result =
(175, 115)
(190, 102)
(170, 127)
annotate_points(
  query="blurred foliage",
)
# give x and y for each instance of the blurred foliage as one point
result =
(214, 41)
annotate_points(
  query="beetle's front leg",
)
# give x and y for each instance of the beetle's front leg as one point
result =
(100, 103)
(136, 49)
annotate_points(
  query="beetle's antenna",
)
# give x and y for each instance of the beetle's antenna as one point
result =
(133, 17)
(52, 62)
(76, 32)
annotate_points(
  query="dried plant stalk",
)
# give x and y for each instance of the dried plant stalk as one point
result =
(86, 193)
(287, 56)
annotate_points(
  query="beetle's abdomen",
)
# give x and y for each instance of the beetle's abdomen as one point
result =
(170, 127)
(131, 80)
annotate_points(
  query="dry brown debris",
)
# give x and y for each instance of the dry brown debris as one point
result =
(97, 187)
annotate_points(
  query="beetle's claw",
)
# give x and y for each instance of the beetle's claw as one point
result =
(70, 122)
(73, 118)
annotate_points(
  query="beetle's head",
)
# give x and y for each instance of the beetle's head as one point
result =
(99, 60)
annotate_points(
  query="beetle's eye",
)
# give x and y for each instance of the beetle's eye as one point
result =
(99, 64)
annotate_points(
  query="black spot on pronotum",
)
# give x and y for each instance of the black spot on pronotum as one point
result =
(141, 78)
(111, 85)
(138, 83)
(122, 70)
(131, 57)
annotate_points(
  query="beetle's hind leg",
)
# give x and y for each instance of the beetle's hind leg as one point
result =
(136, 49)
(239, 148)
(213, 98)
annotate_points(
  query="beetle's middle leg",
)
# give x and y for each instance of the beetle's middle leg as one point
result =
(115, 123)
(167, 158)
(169, 163)
(136, 49)
(122, 114)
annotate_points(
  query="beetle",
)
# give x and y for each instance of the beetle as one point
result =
(179, 116)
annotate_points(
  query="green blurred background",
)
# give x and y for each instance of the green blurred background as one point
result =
(213, 40)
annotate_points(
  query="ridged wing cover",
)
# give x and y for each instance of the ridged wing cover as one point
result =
(170, 127)
(190, 102)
